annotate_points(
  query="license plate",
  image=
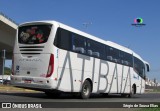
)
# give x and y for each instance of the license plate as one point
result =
(27, 81)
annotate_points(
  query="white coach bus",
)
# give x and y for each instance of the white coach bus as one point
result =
(52, 57)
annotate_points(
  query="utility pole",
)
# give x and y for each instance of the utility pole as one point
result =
(3, 58)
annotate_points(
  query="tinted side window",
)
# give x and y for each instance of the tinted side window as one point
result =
(121, 57)
(139, 67)
(78, 43)
(128, 58)
(118, 56)
(109, 51)
(95, 49)
(112, 54)
(63, 39)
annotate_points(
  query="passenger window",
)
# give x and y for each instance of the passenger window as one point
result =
(95, 49)
(78, 43)
(63, 39)
(112, 54)
(139, 67)
(109, 53)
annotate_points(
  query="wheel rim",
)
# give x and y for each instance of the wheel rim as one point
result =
(132, 91)
(85, 90)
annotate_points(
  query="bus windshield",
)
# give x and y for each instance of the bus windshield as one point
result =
(34, 34)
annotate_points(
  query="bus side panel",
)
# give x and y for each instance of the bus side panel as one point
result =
(136, 80)
(74, 68)
(119, 78)
(139, 82)
(95, 74)
(102, 76)
(143, 86)
(125, 86)
(107, 77)
(111, 81)
(69, 71)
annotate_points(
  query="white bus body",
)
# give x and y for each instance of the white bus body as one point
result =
(50, 56)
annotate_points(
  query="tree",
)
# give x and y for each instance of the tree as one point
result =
(7, 71)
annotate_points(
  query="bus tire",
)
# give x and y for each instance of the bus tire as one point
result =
(86, 90)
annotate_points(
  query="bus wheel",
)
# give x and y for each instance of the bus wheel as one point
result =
(132, 92)
(86, 90)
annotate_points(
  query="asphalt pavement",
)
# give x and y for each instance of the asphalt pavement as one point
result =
(68, 99)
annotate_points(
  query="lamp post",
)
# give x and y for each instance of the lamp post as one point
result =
(3, 58)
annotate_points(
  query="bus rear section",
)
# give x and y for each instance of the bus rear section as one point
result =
(33, 58)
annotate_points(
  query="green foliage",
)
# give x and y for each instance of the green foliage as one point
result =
(149, 109)
(7, 71)
(156, 90)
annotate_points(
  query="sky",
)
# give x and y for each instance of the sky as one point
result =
(107, 19)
